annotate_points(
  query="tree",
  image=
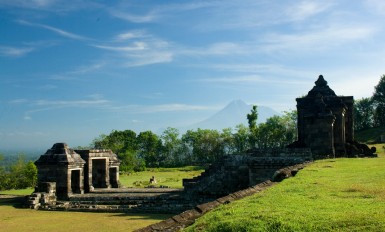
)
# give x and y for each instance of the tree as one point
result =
(363, 114)
(150, 147)
(204, 145)
(241, 139)
(277, 131)
(20, 175)
(379, 102)
(253, 127)
(172, 148)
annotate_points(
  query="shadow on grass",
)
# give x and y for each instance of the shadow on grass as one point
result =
(12, 200)
(143, 216)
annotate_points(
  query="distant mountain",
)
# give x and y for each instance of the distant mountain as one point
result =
(233, 114)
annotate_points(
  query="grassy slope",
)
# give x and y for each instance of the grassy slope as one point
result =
(329, 195)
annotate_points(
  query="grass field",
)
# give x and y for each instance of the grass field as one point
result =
(15, 218)
(329, 195)
(171, 177)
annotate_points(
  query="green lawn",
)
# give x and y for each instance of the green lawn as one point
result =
(171, 177)
(329, 195)
(15, 218)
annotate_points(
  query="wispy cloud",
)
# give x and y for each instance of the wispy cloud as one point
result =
(57, 6)
(92, 101)
(54, 29)
(144, 49)
(15, 51)
(304, 9)
(147, 17)
(326, 38)
(129, 35)
(148, 109)
(250, 79)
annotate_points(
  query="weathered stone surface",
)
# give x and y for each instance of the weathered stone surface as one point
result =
(67, 172)
(325, 123)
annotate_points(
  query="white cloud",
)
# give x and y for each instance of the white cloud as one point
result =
(130, 35)
(54, 29)
(143, 109)
(149, 17)
(15, 51)
(146, 49)
(251, 79)
(148, 58)
(324, 39)
(136, 46)
(18, 101)
(74, 103)
(305, 9)
(57, 6)
(377, 6)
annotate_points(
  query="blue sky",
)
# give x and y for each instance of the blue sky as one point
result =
(72, 70)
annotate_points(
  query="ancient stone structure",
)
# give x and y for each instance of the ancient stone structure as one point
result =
(65, 171)
(325, 120)
(88, 180)
(101, 169)
(325, 123)
(234, 172)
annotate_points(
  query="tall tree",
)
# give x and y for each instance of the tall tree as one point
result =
(379, 102)
(241, 139)
(172, 147)
(363, 114)
(150, 147)
(253, 127)
(205, 145)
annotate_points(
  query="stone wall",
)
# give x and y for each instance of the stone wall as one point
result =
(182, 220)
(234, 172)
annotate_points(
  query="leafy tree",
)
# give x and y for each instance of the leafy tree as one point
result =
(204, 145)
(150, 147)
(277, 131)
(130, 162)
(173, 151)
(253, 127)
(228, 141)
(379, 102)
(125, 145)
(21, 174)
(363, 114)
(241, 139)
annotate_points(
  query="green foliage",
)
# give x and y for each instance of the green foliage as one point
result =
(206, 145)
(200, 146)
(150, 149)
(19, 175)
(277, 131)
(363, 114)
(370, 136)
(370, 112)
(328, 195)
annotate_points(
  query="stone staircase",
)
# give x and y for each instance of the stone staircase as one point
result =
(39, 200)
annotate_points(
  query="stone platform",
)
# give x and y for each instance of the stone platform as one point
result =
(148, 200)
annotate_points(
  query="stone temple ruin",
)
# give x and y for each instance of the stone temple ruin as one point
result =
(325, 124)
(63, 171)
(88, 180)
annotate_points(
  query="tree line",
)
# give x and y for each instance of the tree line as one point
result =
(17, 173)
(370, 112)
(196, 147)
